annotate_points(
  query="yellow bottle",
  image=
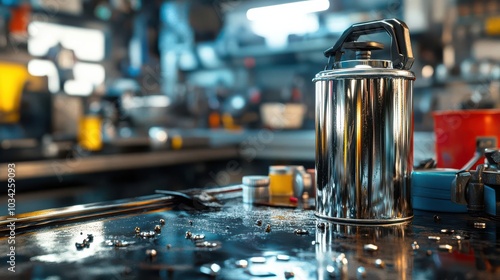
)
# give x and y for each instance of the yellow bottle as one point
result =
(280, 180)
(89, 133)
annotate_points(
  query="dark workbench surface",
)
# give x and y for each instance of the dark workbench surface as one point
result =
(404, 251)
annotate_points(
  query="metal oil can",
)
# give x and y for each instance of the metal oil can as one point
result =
(364, 128)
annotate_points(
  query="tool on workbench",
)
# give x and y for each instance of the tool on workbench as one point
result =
(479, 189)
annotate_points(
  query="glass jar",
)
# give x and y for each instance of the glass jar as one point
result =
(280, 180)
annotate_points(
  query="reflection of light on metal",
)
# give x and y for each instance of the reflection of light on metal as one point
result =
(77, 87)
(427, 71)
(49, 240)
(88, 44)
(291, 9)
(38, 67)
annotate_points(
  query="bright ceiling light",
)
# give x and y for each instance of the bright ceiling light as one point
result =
(289, 9)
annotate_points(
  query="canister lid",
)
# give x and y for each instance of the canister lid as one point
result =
(363, 64)
(279, 169)
(255, 181)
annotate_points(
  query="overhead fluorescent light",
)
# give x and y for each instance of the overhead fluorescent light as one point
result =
(294, 8)
(88, 44)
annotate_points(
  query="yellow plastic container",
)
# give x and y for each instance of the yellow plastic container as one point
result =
(89, 133)
(280, 180)
(12, 79)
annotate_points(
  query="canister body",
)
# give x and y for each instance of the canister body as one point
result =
(364, 146)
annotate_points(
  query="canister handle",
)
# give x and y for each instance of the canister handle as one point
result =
(401, 53)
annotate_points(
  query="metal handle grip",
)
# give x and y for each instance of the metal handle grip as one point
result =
(401, 52)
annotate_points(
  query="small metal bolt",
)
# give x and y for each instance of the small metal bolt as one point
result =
(437, 238)
(479, 225)
(283, 258)
(379, 263)
(151, 253)
(370, 247)
(289, 274)
(361, 272)
(197, 237)
(301, 232)
(447, 231)
(137, 229)
(188, 234)
(268, 228)
(157, 228)
(242, 263)
(162, 221)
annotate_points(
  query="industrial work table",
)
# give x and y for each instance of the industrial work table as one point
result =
(213, 235)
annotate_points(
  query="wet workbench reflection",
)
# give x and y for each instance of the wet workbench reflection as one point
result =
(238, 241)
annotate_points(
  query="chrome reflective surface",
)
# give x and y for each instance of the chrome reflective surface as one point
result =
(364, 139)
(381, 261)
(236, 245)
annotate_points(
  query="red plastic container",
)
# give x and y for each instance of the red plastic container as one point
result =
(456, 133)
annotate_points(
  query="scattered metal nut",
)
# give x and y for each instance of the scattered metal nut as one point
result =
(268, 228)
(479, 225)
(447, 231)
(282, 257)
(197, 237)
(210, 269)
(162, 221)
(361, 272)
(157, 228)
(289, 274)
(379, 263)
(151, 253)
(370, 247)
(258, 260)
(242, 263)
(301, 232)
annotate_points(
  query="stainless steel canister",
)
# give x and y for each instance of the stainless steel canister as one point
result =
(364, 128)
(255, 189)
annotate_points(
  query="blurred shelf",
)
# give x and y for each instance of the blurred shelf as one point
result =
(246, 145)
(101, 163)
